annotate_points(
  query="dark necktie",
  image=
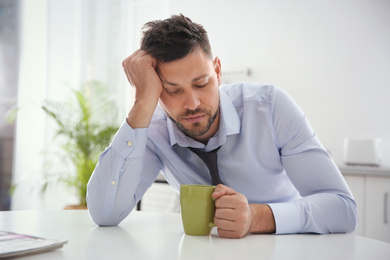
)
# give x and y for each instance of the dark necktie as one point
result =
(210, 159)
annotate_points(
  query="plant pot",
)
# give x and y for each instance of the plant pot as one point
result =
(75, 207)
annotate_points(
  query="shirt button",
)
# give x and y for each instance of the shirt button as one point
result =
(129, 143)
(113, 183)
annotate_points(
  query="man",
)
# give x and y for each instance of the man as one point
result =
(277, 177)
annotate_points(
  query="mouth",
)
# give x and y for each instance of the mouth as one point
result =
(194, 119)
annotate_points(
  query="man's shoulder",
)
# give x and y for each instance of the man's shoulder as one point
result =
(240, 93)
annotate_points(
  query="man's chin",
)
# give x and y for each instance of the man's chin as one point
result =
(196, 130)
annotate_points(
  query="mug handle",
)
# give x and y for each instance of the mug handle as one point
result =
(212, 224)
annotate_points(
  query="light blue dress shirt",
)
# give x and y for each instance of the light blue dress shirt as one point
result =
(269, 153)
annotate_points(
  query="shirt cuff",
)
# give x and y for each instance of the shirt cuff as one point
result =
(287, 217)
(129, 142)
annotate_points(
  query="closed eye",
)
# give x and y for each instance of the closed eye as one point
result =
(201, 86)
(171, 91)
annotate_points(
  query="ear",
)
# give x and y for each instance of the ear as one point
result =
(217, 69)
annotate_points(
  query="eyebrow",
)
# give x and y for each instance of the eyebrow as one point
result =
(194, 80)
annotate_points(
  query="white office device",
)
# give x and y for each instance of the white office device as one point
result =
(363, 151)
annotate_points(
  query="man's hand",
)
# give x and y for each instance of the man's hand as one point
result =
(235, 218)
(140, 70)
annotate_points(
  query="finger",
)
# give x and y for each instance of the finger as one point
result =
(235, 201)
(225, 213)
(222, 190)
(137, 54)
(230, 229)
(230, 234)
(126, 66)
(231, 221)
(131, 63)
(130, 58)
(225, 224)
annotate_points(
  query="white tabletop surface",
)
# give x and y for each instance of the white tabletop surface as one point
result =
(148, 235)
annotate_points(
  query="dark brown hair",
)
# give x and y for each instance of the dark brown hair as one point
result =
(174, 38)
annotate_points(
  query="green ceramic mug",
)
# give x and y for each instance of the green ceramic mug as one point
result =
(197, 209)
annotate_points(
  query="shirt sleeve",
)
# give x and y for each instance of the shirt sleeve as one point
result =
(114, 187)
(327, 204)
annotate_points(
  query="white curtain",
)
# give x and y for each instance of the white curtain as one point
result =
(66, 42)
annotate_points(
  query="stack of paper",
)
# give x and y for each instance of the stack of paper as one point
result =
(13, 244)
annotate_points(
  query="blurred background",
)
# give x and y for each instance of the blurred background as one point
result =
(331, 56)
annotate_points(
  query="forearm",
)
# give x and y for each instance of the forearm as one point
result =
(106, 204)
(141, 113)
(320, 213)
(113, 184)
(262, 219)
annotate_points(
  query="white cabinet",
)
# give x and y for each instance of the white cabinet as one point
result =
(377, 208)
(371, 190)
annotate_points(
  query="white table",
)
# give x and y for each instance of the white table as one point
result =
(147, 235)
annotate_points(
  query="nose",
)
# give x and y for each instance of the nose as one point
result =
(191, 100)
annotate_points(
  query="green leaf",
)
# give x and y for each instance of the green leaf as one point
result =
(87, 123)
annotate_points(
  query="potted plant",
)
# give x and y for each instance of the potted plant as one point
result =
(86, 123)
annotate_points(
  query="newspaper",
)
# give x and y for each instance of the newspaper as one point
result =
(13, 244)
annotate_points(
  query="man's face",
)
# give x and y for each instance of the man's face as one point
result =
(190, 96)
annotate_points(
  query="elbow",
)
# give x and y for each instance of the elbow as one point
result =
(105, 215)
(99, 215)
(343, 218)
(103, 222)
(349, 227)
(353, 219)
(351, 216)
(99, 218)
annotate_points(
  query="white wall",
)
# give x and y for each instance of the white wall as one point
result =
(331, 56)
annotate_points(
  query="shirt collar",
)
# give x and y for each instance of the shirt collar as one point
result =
(229, 124)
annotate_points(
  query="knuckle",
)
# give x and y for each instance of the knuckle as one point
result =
(218, 213)
(124, 62)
